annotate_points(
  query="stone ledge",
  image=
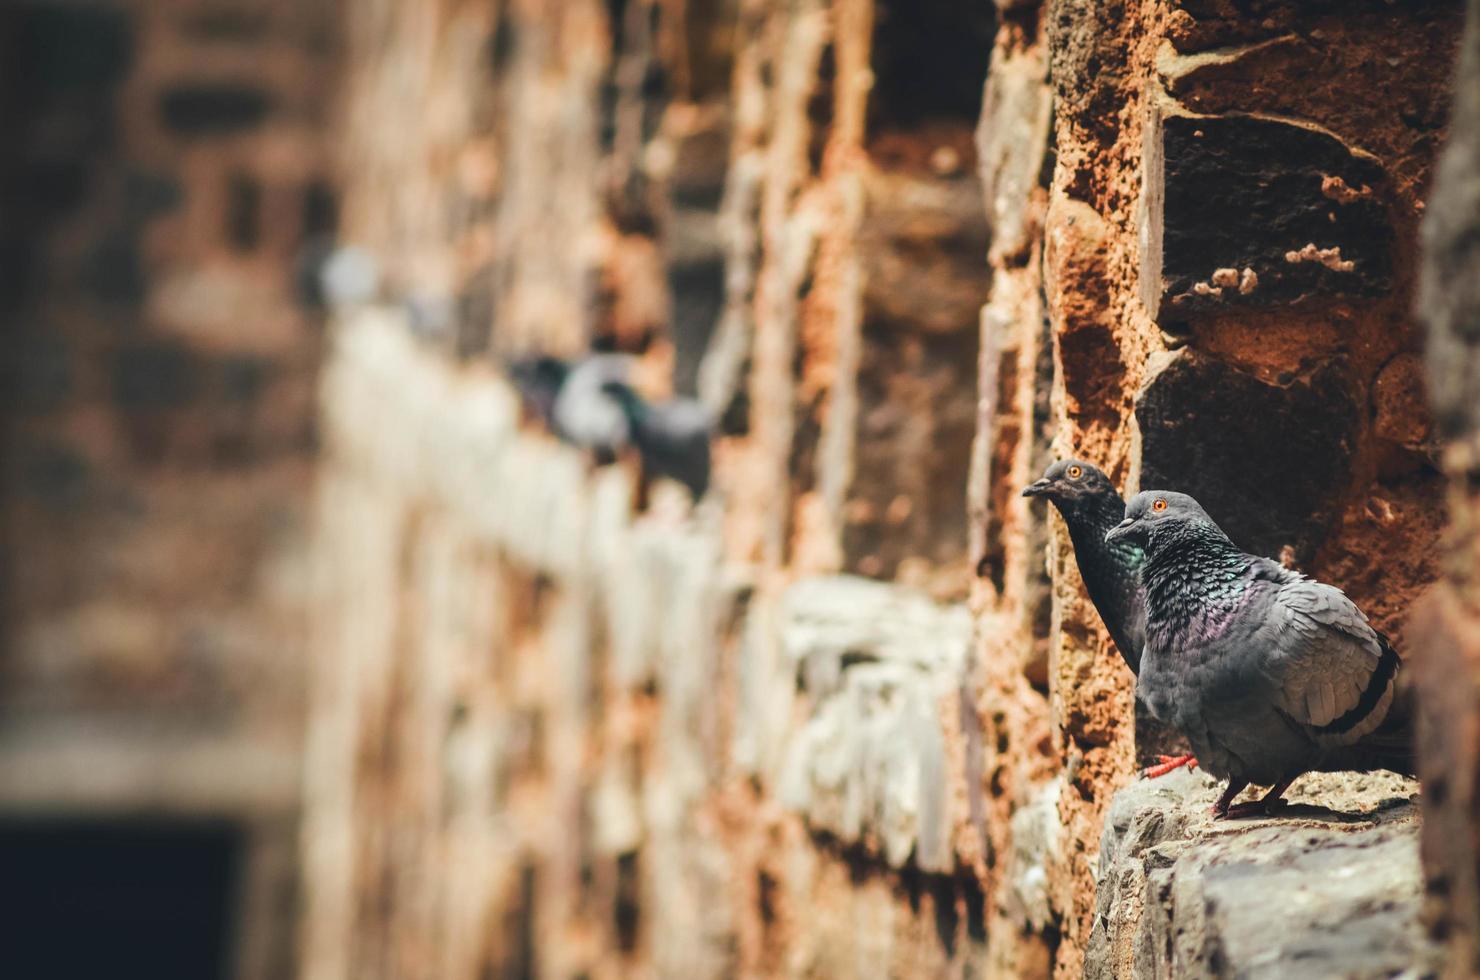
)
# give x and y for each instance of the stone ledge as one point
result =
(1328, 887)
(869, 763)
(861, 755)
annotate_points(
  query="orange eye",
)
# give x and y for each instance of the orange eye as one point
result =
(1075, 472)
(1158, 504)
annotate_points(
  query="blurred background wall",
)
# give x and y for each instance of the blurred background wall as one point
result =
(400, 686)
(166, 165)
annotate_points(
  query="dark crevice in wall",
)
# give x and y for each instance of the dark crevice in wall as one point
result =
(1039, 587)
(953, 906)
(627, 907)
(89, 897)
(930, 59)
(993, 562)
(520, 946)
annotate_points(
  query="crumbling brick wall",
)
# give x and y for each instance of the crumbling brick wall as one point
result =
(842, 717)
(165, 169)
(1211, 163)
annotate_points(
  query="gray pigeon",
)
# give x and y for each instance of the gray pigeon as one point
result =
(1268, 673)
(349, 277)
(673, 436)
(585, 415)
(1091, 507)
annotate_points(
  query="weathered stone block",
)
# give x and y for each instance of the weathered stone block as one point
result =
(1450, 284)
(1331, 884)
(922, 242)
(1252, 212)
(869, 763)
(1446, 641)
(1267, 460)
(1016, 109)
(1446, 672)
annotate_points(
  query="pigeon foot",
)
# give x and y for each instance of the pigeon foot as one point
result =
(1169, 763)
(1262, 807)
(1235, 787)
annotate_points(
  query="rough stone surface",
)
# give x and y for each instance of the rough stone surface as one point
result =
(853, 715)
(1244, 211)
(1328, 887)
(1196, 438)
(870, 763)
(1148, 99)
(1447, 634)
(160, 185)
(839, 685)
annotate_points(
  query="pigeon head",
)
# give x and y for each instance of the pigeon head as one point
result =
(1070, 481)
(1156, 516)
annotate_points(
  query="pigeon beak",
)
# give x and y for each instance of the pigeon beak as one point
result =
(1120, 530)
(1039, 488)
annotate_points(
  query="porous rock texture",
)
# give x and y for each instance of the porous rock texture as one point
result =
(1328, 886)
(1447, 629)
(165, 169)
(852, 714)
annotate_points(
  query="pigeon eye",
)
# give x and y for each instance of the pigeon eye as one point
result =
(1075, 472)
(1158, 504)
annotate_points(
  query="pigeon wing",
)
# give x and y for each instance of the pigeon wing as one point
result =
(1333, 672)
(588, 417)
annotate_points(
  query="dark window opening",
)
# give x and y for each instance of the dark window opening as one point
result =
(930, 62)
(87, 898)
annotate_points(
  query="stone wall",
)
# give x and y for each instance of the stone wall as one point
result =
(1449, 667)
(165, 170)
(851, 714)
(1199, 150)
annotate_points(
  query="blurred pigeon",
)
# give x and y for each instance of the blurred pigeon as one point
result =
(429, 315)
(1268, 673)
(308, 270)
(1091, 507)
(585, 415)
(672, 436)
(349, 277)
